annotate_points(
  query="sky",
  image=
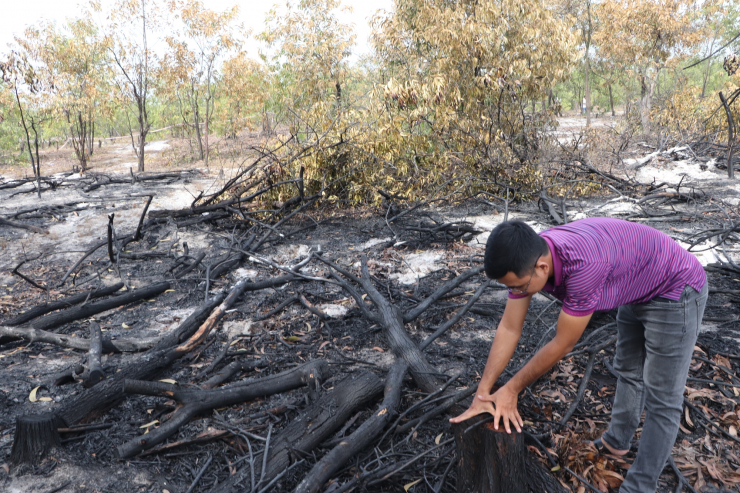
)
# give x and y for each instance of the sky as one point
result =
(16, 16)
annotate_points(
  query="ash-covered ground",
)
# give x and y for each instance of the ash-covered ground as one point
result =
(408, 260)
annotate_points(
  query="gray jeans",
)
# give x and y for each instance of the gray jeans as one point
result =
(654, 348)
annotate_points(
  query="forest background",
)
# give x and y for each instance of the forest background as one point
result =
(454, 97)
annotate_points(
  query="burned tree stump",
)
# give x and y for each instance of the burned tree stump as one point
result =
(493, 461)
(35, 436)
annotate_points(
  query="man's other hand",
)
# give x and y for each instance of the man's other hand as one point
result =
(478, 406)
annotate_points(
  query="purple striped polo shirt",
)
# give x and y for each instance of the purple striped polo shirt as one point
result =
(602, 263)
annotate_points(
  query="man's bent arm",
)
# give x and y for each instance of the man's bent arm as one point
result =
(569, 330)
(504, 344)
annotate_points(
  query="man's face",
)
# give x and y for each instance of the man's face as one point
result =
(530, 283)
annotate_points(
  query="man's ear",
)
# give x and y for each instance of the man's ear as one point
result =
(542, 264)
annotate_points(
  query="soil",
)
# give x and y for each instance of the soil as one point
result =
(413, 267)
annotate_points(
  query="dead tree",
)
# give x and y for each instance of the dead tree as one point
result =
(493, 461)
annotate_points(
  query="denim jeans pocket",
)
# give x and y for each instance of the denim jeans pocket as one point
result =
(665, 317)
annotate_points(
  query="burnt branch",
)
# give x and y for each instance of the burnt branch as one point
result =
(194, 402)
(45, 308)
(323, 470)
(314, 425)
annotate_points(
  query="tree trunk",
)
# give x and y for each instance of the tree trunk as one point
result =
(205, 133)
(196, 124)
(730, 136)
(142, 143)
(611, 100)
(646, 101)
(587, 67)
(491, 461)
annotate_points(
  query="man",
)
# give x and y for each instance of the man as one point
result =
(600, 264)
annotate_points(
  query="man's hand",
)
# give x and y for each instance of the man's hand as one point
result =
(478, 406)
(504, 401)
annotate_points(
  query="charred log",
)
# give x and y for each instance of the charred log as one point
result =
(94, 373)
(108, 392)
(109, 346)
(314, 425)
(232, 369)
(194, 402)
(45, 308)
(361, 438)
(70, 315)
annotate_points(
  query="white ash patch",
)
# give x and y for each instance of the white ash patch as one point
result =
(701, 251)
(383, 359)
(461, 332)
(157, 146)
(674, 171)
(709, 327)
(418, 265)
(171, 319)
(236, 328)
(333, 310)
(372, 242)
(242, 273)
(291, 254)
(85, 478)
(619, 208)
(487, 222)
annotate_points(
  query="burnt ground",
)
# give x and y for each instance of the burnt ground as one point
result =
(407, 265)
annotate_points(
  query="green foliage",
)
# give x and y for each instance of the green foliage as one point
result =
(444, 104)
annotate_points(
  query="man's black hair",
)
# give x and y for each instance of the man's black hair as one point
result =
(513, 247)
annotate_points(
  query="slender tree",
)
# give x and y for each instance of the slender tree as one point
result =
(131, 22)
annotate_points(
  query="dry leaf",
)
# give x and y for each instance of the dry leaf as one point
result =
(376, 348)
(408, 486)
(151, 423)
(733, 431)
(439, 437)
(32, 395)
(45, 399)
(125, 326)
(168, 380)
(169, 291)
